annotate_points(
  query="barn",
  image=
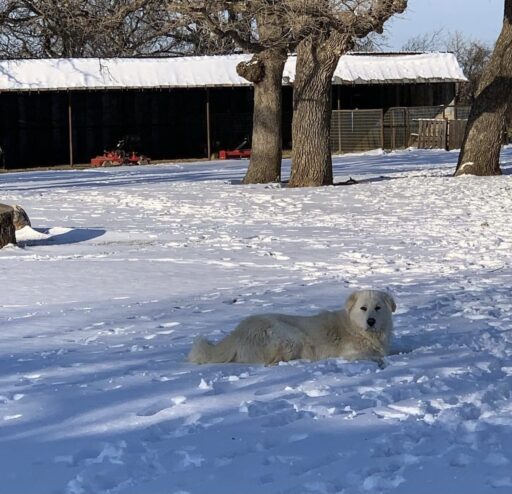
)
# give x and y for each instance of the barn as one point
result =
(64, 111)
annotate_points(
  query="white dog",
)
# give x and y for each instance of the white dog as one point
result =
(361, 330)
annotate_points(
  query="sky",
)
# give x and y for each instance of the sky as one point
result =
(478, 19)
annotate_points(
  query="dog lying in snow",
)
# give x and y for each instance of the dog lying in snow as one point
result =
(361, 330)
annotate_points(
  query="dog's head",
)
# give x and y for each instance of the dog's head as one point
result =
(370, 310)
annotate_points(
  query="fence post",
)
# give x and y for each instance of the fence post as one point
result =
(382, 128)
(407, 128)
(446, 130)
(393, 132)
(70, 131)
(208, 126)
(338, 116)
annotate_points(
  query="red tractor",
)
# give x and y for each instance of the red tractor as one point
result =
(121, 156)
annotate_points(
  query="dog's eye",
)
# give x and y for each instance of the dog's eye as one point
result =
(378, 308)
(364, 309)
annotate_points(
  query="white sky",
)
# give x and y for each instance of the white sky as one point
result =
(478, 19)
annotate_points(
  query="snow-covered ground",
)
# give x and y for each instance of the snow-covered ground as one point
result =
(100, 303)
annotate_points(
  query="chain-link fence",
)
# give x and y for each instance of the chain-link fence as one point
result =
(398, 128)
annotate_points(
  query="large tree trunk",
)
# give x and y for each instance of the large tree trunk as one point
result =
(312, 108)
(265, 71)
(480, 153)
(7, 231)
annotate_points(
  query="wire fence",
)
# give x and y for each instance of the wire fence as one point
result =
(356, 130)
(398, 128)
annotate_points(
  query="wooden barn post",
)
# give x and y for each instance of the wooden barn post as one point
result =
(208, 125)
(70, 129)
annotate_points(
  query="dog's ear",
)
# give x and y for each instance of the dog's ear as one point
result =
(390, 301)
(351, 300)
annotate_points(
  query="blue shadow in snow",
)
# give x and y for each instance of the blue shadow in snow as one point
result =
(73, 236)
(362, 167)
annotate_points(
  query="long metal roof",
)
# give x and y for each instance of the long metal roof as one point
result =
(219, 71)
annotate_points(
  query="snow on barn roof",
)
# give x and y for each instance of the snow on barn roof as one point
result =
(218, 71)
(394, 68)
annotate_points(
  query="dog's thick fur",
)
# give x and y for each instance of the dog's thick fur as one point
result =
(271, 338)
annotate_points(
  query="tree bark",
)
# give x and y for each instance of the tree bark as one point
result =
(483, 139)
(312, 108)
(265, 71)
(7, 231)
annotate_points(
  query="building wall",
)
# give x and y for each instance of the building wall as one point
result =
(168, 124)
(33, 128)
(371, 96)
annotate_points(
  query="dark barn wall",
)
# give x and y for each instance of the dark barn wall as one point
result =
(34, 126)
(376, 96)
(170, 124)
(33, 129)
(231, 110)
(232, 116)
(166, 123)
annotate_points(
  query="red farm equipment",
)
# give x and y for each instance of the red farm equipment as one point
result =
(121, 156)
(241, 151)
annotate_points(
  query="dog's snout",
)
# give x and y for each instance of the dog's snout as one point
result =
(371, 322)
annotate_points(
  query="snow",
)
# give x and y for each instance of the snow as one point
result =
(189, 72)
(124, 267)
(397, 68)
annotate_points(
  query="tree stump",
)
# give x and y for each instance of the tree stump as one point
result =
(7, 231)
(20, 218)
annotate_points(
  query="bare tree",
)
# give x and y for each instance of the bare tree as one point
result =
(483, 139)
(192, 39)
(257, 27)
(265, 71)
(374, 42)
(320, 31)
(326, 30)
(425, 42)
(472, 54)
(99, 28)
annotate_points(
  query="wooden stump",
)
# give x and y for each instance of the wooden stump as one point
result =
(7, 231)
(20, 218)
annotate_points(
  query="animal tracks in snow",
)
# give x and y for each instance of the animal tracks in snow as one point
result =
(96, 394)
(160, 406)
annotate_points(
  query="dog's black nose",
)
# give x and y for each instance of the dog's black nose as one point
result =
(371, 322)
